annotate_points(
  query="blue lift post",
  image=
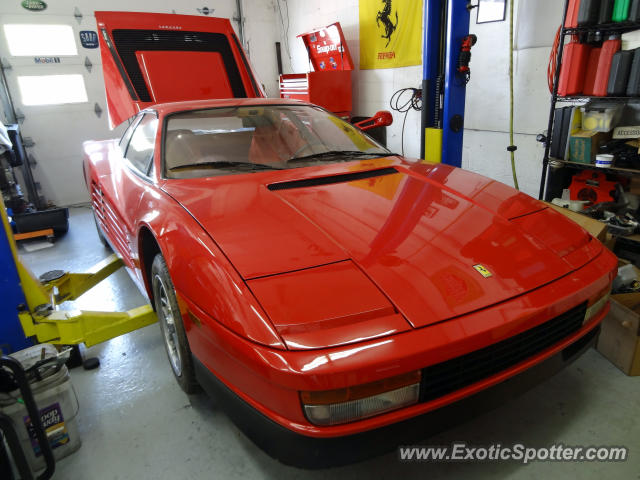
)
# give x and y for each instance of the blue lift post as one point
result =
(455, 87)
(12, 337)
(456, 27)
(431, 145)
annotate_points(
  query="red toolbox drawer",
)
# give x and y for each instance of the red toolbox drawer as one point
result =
(331, 90)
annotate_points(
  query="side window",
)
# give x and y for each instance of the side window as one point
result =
(140, 149)
(127, 134)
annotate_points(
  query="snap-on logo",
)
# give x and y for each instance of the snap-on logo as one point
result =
(326, 48)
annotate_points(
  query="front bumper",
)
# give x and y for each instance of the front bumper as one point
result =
(312, 452)
(270, 380)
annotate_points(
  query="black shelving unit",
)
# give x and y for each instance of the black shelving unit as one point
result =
(604, 30)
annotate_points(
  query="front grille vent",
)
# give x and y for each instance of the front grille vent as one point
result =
(457, 373)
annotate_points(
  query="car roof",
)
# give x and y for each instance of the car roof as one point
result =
(167, 108)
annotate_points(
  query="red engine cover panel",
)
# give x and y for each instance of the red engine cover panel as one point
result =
(201, 75)
(151, 58)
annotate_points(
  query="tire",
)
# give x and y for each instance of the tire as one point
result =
(170, 320)
(101, 236)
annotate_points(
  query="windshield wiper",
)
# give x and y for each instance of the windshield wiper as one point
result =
(347, 154)
(221, 164)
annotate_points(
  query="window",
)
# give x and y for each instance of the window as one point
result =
(491, 11)
(140, 149)
(227, 141)
(52, 89)
(26, 40)
(127, 133)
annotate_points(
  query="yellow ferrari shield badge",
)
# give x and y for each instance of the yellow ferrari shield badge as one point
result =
(482, 270)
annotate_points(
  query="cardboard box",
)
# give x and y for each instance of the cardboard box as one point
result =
(584, 145)
(626, 132)
(594, 227)
(619, 339)
(610, 241)
(634, 185)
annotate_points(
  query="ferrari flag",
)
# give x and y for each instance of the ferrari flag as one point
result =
(390, 33)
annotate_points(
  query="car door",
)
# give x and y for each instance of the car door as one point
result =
(129, 179)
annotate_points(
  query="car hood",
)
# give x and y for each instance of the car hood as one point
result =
(437, 241)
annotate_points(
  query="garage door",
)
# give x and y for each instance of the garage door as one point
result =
(54, 75)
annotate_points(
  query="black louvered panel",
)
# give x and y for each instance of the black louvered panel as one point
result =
(113, 228)
(97, 203)
(128, 42)
(459, 372)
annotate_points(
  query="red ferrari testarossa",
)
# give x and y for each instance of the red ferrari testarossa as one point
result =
(332, 293)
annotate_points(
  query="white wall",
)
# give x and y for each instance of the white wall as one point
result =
(487, 112)
(372, 89)
(487, 108)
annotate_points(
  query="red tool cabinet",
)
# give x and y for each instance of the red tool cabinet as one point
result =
(329, 85)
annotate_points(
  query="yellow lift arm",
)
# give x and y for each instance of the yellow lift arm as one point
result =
(41, 318)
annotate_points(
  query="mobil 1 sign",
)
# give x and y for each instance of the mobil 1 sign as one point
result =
(89, 39)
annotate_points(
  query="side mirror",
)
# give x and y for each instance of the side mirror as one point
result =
(380, 119)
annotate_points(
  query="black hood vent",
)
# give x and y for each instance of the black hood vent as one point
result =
(347, 177)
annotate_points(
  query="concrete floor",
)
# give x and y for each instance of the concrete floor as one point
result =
(136, 423)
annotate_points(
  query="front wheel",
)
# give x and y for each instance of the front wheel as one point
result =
(170, 319)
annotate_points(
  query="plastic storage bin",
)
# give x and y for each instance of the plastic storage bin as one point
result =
(619, 75)
(606, 11)
(633, 87)
(58, 404)
(630, 40)
(608, 50)
(589, 12)
(592, 71)
(621, 10)
(572, 14)
(634, 11)
(602, 117)
(574, 69)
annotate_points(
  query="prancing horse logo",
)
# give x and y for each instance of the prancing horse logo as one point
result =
(384, 16)
(482, 270)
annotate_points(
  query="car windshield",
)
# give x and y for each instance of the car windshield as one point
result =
(224, 141)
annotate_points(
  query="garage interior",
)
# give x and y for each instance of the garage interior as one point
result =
(133, 419)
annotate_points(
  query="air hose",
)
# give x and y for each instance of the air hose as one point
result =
(511, 148)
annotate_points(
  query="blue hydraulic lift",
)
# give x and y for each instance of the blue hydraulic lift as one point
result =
(12, 336)
(446, 25)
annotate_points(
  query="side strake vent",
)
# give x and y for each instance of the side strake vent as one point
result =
(347, 177)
